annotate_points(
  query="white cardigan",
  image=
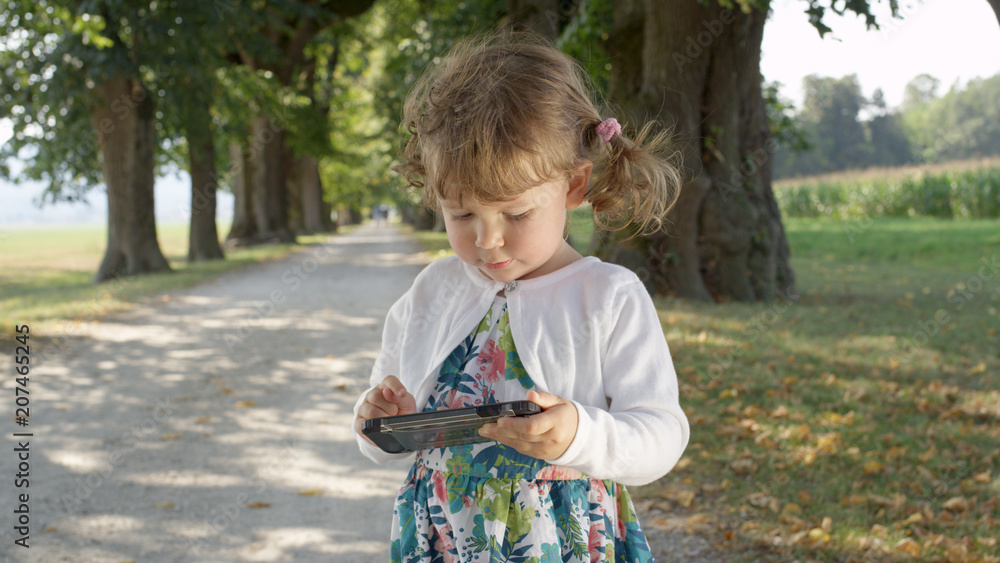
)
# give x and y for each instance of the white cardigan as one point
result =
(587, 332)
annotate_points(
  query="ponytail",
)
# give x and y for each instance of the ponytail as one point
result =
(635, 181)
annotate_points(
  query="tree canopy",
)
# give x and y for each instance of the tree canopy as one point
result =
(294, 106)
(843, 129)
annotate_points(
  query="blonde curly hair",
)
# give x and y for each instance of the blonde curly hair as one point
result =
(507, 111)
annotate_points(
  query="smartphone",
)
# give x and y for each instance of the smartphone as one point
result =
(440, 429)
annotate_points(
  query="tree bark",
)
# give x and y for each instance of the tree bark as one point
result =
(995, 4)
(540, 16)
(314, 213)
(270, 194)
(349, 215)
(244, 227)
(123, 123)
(288, 36)
(700, 75)
(293, 171)
(203, 236)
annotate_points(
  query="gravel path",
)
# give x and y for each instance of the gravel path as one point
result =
(213, 423)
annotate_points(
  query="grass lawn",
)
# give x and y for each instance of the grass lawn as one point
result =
(46, 275)
(857, 423)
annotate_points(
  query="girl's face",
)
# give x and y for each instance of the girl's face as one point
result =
(521, 238)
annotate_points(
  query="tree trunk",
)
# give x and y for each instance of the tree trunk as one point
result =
(123, 123)
(314, 212)
(700, 75)
(349, 215)
(995, 4)
(270, 195)
(293, 173)
(329, 225)
(203, 237)
(244, 226)
(540, 16)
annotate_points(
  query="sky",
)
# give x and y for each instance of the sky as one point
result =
(953, 40)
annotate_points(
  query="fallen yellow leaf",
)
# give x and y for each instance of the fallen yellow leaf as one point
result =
(245, 403)
(683, 497)
(203, 419)
(700, 524)
(873, 468)
(912, 519)
(762, 500)
(165, 505)
(956, 504)
(311, 492)
(828, 443)
(791, 508)
(809, 457)
(908, 546)
(711, 488)
(854, 500)
(171, 436)
(794, 524)
(258, 504)
(819, 535)
(952, 413)
(729, 393)
(800, 432)
(743, 465)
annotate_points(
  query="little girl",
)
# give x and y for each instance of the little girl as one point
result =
(504, 141)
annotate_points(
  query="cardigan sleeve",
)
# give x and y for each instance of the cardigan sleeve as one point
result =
(643, 432)
(387, 363)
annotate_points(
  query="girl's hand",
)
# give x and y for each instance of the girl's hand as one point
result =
(545, 435)
(389, 398)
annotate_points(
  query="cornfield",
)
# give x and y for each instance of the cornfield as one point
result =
(966, 194)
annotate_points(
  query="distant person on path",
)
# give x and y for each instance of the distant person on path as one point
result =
(504, 141)
(380, 214)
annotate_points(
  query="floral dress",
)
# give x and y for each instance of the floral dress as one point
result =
(489, 503)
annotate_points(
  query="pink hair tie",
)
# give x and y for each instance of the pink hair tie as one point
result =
(608, 128)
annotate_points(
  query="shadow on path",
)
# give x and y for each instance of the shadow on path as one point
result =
(214, 423)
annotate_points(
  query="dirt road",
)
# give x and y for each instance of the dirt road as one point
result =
(213, 424)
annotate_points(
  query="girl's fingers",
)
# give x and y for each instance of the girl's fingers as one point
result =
(369, 411)
(394, 393)
(376, 399)
(526, 426)
(513, 439)
(545, 435)
(528, 429)
(545, 400)
(396, 388)
(391, 398)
